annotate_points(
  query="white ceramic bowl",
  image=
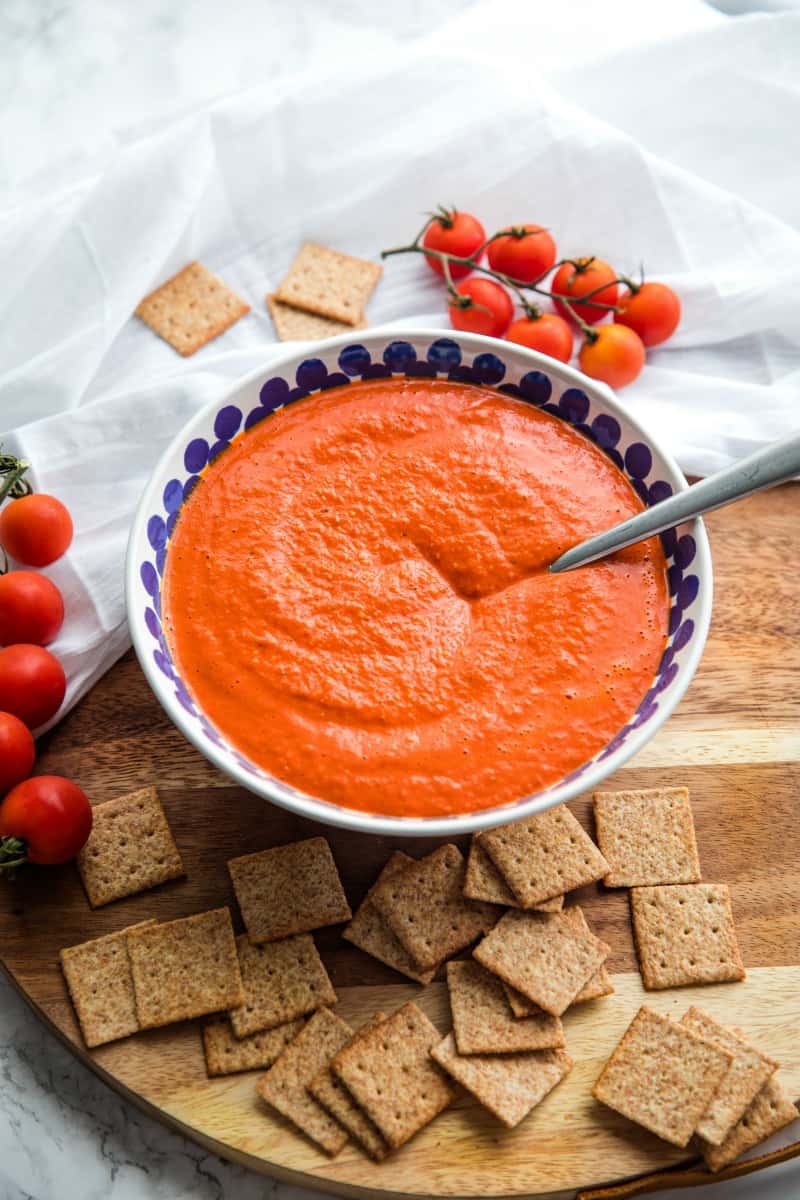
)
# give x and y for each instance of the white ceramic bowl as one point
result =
(569, 395)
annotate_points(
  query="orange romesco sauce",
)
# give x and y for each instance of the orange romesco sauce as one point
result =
(355, 593)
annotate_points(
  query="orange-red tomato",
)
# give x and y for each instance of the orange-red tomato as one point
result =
(51, 815)
(549, 334)
(17, 751)
(525, 252)
(31, 608)
(575, 281)
(456, 233)
(616, 356)
(32, 684)
(490, 312)
(35, 530)
(653, 311)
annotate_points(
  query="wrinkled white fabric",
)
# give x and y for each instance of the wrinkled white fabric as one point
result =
(678, 153)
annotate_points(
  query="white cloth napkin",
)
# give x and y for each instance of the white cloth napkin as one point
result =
(679, 154)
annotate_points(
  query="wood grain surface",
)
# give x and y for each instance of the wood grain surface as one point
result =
(734, 741)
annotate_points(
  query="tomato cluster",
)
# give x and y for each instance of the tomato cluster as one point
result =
(44, 819)
(617, 317)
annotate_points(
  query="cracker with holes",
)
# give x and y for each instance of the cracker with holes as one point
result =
(746, 1076)
(596, 986)
(483, 1022)
(662, 1076)
(288, 889)
(334, 1097)
(285, 1085)
(370, 933)
(390, 1074)
(295, 325)
(226, 1054)
(647, 837)
(542, 956)
(771, 1111)
(509, 1085)
(425, 908)
(544, 855)
(98, 976)
(130, 848)
(282, 980)
(330, 284)
(685, 934)
(191, 309)
(185, 968)
(483, 881)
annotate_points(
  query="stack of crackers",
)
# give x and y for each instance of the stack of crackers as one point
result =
(696, 1077)
(270, 998)
(324, 293)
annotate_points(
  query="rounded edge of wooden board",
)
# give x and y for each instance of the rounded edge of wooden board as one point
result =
(262, 1166)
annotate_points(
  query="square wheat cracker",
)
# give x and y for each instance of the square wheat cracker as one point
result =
(98, 976)
(483, 881)
(285, 1085)
(282, 980)
(288, 889)
(544, 855)
(425, 908)
(662, 1076)
(191, 309)
(185, 968)
(296, 325)
(329, 283)
(596, 985)
(509, 1085)
(770, 1112)
(542, 956)
(685, 934)
(226, 1054)
(330, 1092)
(390, 1074)
(483, 1022)
(130, 848)
(370, 933)
(647, 836)
(748, 1073)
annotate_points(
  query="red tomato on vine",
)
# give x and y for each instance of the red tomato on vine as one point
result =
(573, 280)
(453, 232)
(615, 355)
(652, 310)
(549, 334)
(489, 310)
(523, 252)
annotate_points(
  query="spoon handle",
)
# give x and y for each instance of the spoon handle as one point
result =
(766, 467)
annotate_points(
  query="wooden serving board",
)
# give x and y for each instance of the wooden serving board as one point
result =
(734, 741)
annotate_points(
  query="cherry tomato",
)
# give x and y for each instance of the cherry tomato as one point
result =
(575, 281)
(525, 252)
(653, 311)
(35, 530)
(31, 608)
(456, 233)
(549, 334)
(494, 314)
(17, 751)
(51, 815)
(32, 684)
(616, 357)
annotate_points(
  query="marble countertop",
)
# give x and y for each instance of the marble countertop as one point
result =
(73, 73)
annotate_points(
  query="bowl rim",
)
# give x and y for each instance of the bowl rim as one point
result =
(325, 812)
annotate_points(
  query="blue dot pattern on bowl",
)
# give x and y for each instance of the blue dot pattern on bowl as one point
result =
(443, 358)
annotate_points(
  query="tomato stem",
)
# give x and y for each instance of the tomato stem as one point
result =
(515, 285)
(13, 853)
(14, 484)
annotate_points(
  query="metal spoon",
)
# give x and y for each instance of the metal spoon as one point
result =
(763, 469)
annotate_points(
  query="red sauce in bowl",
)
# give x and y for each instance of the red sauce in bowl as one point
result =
(356, 594)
